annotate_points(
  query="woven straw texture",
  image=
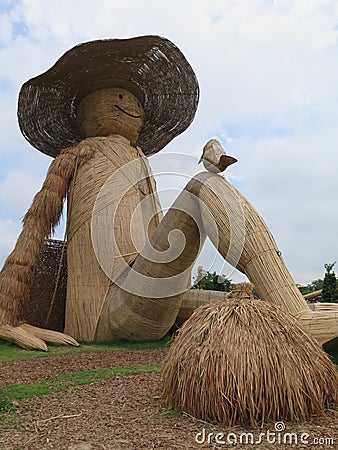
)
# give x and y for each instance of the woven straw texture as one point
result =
(325, 306)
(151, 311)
(46, 308)
(88, 286)
(243, 361)
(260, 258)
(49, 288)
(110, 111)
(195, 298)
(150, 67)
(321, 324)
(150, 315)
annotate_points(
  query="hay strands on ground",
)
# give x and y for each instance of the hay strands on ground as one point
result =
(243, 361)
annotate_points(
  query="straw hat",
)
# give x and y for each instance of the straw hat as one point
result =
(150, 67)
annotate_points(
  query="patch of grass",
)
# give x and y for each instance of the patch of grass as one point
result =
(172, 413)
(6, 404)
(11, 395)
(11, 352)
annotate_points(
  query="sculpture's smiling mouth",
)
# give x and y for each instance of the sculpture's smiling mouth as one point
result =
(125, 112)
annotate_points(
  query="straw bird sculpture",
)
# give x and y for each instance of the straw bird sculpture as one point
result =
(100, 111)
(215, 158)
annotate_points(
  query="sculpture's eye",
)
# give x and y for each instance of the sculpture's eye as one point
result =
(120, 96)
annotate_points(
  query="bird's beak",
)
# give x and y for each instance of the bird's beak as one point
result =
(201, 159)
(227, 160)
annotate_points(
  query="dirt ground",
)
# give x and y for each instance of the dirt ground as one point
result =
(127, 413)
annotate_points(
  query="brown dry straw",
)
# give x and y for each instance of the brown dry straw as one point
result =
(96, 308)
(260, 258)
(38, 224)
(243, 361)
(194, 298)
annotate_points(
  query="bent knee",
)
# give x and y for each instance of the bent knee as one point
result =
(208, 179)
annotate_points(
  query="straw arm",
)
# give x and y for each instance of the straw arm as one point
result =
(313, 294)
(38, 223)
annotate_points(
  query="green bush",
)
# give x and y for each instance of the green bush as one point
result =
(211, 281)
(330, 285)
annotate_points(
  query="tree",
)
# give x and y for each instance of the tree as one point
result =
(330, 286)
(211, 281)
(316, 285)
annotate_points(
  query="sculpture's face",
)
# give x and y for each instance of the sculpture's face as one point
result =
(110, 111)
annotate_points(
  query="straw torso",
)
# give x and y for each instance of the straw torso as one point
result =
(88, 285)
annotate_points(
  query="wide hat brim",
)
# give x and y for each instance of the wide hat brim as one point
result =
(151, 67)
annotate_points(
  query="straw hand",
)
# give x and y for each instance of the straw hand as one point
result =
(33, 338)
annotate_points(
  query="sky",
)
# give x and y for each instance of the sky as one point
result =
(267, 72)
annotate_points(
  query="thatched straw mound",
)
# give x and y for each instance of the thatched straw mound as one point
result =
(243, 361)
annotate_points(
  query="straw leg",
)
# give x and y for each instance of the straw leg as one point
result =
(194, 298)
(244, 240)
(144, 302)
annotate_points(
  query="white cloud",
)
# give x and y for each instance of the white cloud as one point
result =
(5, 29)
(18, 189)
(9, 230)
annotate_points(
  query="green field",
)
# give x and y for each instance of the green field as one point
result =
(10, 352)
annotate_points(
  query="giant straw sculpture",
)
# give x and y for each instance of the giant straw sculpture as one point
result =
(100, 111)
